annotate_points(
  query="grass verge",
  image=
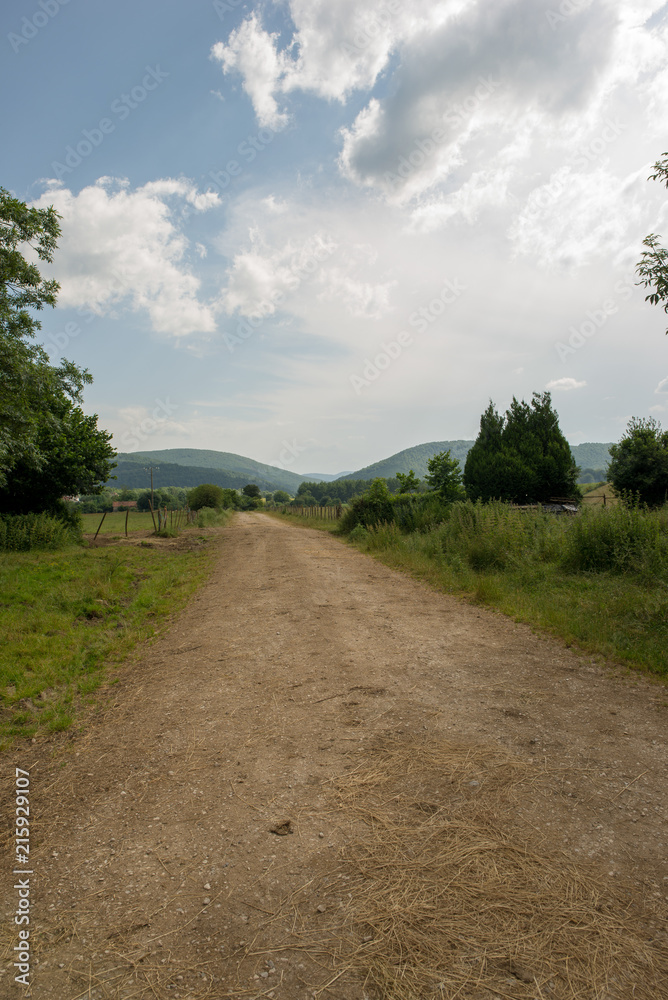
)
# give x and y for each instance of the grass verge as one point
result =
(67, 615)
(621, 616)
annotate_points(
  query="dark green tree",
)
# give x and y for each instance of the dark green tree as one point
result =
(639, 463)
(653, 265)
(251, 490)
(408, 482)
(206, 495)
(48, 447)
(280, 496)
(523, 457)
(445, 476)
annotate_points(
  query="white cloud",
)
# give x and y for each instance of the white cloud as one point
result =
(335, 49)
(262, 276)
(121, 246)
(251, 51)
(662, 386)
(362, 299)
(564, 385)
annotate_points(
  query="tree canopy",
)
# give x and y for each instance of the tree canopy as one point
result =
(445, 476)
(639, 463)
(522, 457)
(48, 446)
(653, 265)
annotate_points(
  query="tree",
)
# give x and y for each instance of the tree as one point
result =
(206, 495)
(408, 482)
(639, 463)
(251, 490)
(522, 457)
(48, 446)
(653, 265)
(280, 496)
(76, 458)
(445, 476)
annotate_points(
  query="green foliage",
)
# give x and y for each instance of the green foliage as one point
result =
(653, 265)
(251, 490)
(445, 477)
(625, 538)
(639, 463)
(409, 482)
(280, 496)
(372, 508)
(206, 495)
(209, 517)
(25, 532)
(523, 457)
(48, 447)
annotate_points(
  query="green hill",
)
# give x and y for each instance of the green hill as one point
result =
(244, 469)
(591, 456)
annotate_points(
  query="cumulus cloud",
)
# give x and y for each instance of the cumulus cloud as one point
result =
(361, 299)
(564, 385)
(335, 49)
(262, 276)
(123, 246)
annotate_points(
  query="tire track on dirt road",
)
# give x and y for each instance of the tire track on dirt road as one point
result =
(156, 871)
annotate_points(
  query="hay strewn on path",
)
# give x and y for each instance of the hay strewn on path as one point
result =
(445, 903)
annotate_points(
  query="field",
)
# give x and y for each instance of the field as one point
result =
(66, 615)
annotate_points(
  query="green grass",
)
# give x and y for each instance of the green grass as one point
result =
(598, 581)
(114, 524)
(66, 615)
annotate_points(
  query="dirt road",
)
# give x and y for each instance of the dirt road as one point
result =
(189, 844)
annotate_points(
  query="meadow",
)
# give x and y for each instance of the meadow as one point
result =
(69, 614)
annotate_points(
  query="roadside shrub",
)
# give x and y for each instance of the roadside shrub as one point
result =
(206, 495)
(626, 538)
(209, 517)
(23, 532)
(358, 534)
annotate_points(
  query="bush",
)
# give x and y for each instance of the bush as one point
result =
(627, 538)
(23, 532)
(206, 495)
(209, 517)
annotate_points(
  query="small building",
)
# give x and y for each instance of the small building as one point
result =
(123, 504)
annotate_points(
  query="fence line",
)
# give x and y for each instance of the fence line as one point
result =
(327, 513)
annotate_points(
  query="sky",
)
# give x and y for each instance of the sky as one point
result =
(317, 232)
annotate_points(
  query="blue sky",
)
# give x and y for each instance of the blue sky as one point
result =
(318, 232)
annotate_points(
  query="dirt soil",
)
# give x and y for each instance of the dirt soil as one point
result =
(188, 842)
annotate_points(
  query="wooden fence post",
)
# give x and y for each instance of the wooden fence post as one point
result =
(99, 526)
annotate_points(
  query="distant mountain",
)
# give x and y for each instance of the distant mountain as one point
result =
(192, 466)
(237, 467)
(592, 455)
(412, 458)
(324, 477)
(588, 456)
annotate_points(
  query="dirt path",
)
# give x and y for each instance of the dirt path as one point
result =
(156, 871)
